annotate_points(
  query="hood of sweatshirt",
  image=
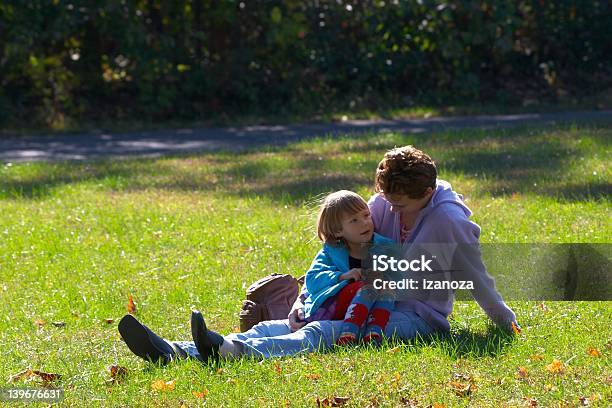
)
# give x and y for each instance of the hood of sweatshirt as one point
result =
(445, 194)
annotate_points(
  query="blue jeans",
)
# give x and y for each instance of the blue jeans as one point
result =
(273, 338)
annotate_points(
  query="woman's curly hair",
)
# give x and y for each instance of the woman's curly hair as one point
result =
(405, 170)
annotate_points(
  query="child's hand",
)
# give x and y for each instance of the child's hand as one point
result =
(354, 273)
(296, 315)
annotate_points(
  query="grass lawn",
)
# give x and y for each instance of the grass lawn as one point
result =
(77, 239)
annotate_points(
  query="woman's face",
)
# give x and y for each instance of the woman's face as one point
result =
(401, 203)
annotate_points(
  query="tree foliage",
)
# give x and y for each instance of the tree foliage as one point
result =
(196, 59)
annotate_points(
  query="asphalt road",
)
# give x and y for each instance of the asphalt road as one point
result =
(191, 140)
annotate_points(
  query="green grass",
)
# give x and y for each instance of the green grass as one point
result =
(76, 239)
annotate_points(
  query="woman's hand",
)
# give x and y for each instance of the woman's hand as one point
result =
(354, 273)
(516, 329)
(296, 315)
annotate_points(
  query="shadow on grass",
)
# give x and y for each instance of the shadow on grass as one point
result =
(464, 342)
(508, 161)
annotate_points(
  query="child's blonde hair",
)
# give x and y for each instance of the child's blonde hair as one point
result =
(334, 207)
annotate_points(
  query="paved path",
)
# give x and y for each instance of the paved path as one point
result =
(164, 142)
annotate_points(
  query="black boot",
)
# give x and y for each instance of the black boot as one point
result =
(206, 341)
(146, 344)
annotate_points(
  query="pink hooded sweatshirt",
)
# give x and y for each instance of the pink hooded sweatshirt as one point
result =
(445, 220)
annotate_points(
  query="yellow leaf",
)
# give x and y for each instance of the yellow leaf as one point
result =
(593, 352)
(531, 402)
(522, 372)
(202, 394)
(163, 386)
(131, 307)
(394, 349)
(313, 376)
(515, 328)
(462, 389)
(556, 367)
(536, 357)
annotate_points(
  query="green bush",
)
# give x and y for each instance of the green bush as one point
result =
(189, 59)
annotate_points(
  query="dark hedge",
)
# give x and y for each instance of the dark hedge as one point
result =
(160, 60)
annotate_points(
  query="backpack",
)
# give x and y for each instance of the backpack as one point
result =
(270, 298)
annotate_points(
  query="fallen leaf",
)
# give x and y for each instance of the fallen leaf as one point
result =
(531, 401)
(109, 321)
(556, 367)
(277, 368)
(220, 371)
(543, 307)
(163, 386)
(19, 376)
(464, 377)
(117, 374)
(131, 307)
(515, 328)
(332, 401)
(409, 403)
(461, 389)
(46, 378)
(522, 372)
(594, 397)
(394, 349)
(436, 405)
(202, 394)
(40, 323)
(593, 352)
(59, 324)
(313, 376)
(584, 401)
(536, 357)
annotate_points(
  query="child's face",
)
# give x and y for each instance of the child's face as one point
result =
(357, 228)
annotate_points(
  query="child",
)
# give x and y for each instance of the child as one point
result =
(345, 227)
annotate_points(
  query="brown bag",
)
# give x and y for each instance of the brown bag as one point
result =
(270, 298)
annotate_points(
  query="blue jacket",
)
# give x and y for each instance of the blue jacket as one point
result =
(322, 277)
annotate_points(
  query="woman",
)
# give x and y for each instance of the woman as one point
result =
(412, 207)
